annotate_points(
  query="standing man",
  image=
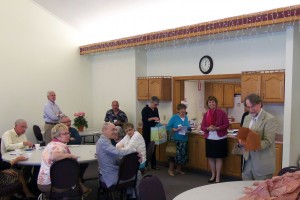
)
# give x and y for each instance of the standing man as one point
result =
(15, 138)
(75, 138)
(115, 115)
(52, 114)
(109, 156)
(150, 118)
(259, 164)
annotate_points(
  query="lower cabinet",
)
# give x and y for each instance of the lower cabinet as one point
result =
(197, 157)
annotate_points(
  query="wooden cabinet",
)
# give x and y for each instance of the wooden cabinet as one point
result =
(232, 163)
(224, 92)
(237, 89)
(148, 87)
(142, 89)
(278, 162)
(273, 87)
(196, 147)
(228, 98)
(197, 156)
(270, 86)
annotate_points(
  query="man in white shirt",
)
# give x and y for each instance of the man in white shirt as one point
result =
(15, 138)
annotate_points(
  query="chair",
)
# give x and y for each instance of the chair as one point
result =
(290, 169)
(149, 153)
(150, 188)
(64, 175)
(127, 177)
(8, 190)
(38, 135)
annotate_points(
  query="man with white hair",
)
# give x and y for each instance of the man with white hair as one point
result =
(15, 138)
(52, 114)
(108, 155)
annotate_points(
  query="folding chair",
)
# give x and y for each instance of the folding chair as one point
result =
(150, 188)
(38, 135)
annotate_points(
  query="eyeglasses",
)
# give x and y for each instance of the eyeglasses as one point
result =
(66, 122)
(66, 133)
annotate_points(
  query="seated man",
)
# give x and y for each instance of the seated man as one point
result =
(115, 115)
(108, 155)
(74, 135)
(135, 141)
(15, 138)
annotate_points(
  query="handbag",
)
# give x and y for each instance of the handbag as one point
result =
(171, 147)
(237, 149)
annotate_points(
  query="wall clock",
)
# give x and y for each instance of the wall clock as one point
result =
(206, 64)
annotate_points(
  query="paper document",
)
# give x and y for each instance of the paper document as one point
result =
(183, 130)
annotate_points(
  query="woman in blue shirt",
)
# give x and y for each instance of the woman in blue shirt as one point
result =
(179, 125)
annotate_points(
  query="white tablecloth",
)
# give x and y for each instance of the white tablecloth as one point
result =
(86, 154)
(219, 191)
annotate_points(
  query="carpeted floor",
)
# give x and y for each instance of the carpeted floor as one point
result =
(173, 185)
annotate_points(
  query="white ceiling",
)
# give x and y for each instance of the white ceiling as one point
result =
(102, 20)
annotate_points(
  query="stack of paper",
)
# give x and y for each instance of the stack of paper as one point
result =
(250, 139)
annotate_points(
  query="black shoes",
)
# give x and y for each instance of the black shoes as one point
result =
(212, 181)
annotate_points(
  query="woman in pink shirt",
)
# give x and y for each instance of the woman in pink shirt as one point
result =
(56, 150)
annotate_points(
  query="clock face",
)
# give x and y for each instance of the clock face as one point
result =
(206, 64)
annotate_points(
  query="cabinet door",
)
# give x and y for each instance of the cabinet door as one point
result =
(194, 153)
(273, 87)
(228, 96)
(232, 163)
(155, 87)
(251, 83)
(142, 89)
(218, 92)
(237, 89)
(203, 164)
(208, 91)
(278, 162)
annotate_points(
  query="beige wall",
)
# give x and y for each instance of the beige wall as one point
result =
(39, 53)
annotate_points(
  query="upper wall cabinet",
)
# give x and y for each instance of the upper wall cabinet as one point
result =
(153, 86)
(224, 92)
(270, 86)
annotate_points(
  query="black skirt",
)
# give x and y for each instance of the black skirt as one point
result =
(216, 148)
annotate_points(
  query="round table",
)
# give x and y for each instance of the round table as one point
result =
(225, 191)
(85, 153)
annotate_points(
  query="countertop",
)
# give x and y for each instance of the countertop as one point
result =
(278, 138)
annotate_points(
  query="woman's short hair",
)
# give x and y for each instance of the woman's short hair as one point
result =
(154, 99)
(120, 131)
(56, 130)
(211, 98)
(181, 106)
(128, 125)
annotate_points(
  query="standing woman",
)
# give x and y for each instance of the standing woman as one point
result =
(214, 125)
(175, 124)
(150, 118)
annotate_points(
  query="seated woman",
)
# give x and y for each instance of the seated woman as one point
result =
(135, 141)
(56, 150)
(10, 176)
(118, 135)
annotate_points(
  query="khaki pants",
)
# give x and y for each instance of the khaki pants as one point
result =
(47, 134)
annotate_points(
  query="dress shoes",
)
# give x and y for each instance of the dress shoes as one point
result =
(212, 181)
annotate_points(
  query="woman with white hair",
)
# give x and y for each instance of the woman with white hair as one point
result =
(56, 150)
